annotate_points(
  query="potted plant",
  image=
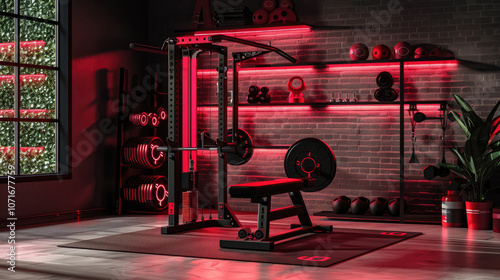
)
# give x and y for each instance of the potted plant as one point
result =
(477, 161)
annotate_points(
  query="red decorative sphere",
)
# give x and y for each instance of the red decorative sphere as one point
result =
(359, 51)
(403, 50)
(381, 52)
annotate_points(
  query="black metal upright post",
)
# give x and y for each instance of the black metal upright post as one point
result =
(119, 132)
(236, 68)
(222, 95)
(174, 158)
(401, 141)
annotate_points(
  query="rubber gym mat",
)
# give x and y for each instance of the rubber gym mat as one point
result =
(322, 249)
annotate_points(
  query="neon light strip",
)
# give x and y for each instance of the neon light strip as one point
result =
(273, 30)
(194, 109)
(39, 78)
(425, 65)
(353, 107)
(186, 137)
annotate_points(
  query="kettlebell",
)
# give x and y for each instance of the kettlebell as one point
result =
(378, 206)
(394, 205)
(360, 205)
(253, 96)
(264, 97)
(341, 204)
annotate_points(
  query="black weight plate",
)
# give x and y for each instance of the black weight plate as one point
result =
(311, 158)
(385, 80)
(244, 148)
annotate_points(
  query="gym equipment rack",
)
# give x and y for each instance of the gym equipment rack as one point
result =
(181, 90)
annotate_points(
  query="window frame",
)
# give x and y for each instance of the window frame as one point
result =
(62, 119)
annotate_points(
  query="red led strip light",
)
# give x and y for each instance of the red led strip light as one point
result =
(417, 65)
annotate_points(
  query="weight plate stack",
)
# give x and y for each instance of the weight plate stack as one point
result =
(146, 193)
(142, 152)
(140, 119)
(311, 158)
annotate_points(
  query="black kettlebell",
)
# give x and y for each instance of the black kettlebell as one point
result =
(360, 205)
(253, 96)
(394, 207)
(264, 97)
(378, 206)
(254, 90)
(341, 204)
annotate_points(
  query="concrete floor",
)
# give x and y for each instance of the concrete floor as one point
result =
(440, 253)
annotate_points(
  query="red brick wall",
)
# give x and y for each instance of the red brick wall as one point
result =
(365, 140)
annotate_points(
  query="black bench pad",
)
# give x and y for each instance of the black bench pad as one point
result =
(271, 187)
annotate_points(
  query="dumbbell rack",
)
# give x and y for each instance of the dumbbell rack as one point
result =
(123, 123)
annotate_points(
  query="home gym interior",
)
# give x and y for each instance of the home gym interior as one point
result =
(235, 138)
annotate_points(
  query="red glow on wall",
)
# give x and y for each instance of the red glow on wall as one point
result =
(31, 45)
(31, 78)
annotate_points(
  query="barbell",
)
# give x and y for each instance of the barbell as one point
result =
(306, 158)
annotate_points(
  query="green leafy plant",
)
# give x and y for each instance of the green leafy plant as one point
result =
(480, 157)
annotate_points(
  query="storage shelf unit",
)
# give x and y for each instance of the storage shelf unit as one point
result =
(382, 65)
(401, 103)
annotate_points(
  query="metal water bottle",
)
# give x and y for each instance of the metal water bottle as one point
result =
(453, 210)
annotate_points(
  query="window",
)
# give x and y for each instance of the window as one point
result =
(34, 86)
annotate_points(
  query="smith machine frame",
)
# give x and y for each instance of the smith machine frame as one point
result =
(182, 111)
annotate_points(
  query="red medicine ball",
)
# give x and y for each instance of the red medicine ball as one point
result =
(359, 51)
(260, 16)
(403, 50)
(381, 52)
(270, 5)
(420, 52)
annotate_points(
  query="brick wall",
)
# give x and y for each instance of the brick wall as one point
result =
(365, 140)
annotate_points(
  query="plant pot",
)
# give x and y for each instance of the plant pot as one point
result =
(479, 214)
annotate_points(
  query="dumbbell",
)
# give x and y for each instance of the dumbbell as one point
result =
(360, 205)
(264, 97)
(253, 96)
(431, 172)
(378, 206)
(341, 204)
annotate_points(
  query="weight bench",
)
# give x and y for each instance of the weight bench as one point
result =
(261, 192)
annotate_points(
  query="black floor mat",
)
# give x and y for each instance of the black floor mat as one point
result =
(323, 249)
